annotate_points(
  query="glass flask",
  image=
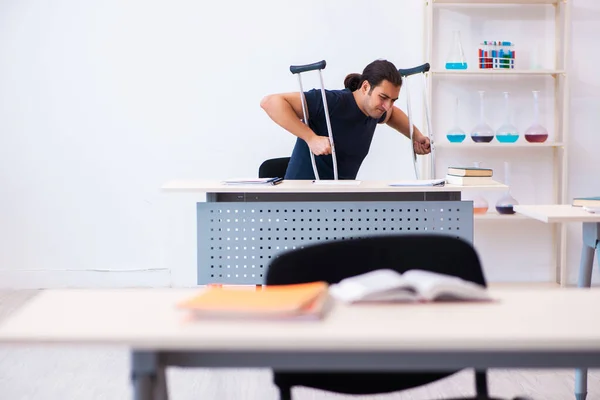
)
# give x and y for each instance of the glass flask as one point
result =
(480, 204)
(536, 133)
(505, 204)
(507, 133)
(455, 134)
(456, 57)
(482, 133)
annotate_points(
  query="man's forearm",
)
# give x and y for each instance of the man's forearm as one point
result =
(283, 114)
(399, 121)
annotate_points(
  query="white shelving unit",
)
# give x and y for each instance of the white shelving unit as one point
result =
(489, 146)
(470, 15)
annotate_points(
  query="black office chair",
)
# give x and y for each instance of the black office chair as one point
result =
(273, 168)
(336, 260)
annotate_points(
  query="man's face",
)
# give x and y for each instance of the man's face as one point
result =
(381, 98)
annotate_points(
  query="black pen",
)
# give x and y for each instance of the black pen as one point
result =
(277, 181)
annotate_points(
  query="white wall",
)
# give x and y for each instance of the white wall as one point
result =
(101, 103)
(584, 163)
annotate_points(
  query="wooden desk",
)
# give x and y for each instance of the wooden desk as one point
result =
(241, 227)
(308, 186)
(555, 213)
(523, 328)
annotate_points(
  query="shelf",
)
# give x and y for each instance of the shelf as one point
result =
(493, 72)
(478, 2)
(496, 145)
(495, 217)
(473, 16)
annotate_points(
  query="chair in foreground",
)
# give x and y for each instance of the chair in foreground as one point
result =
(336, 260)
(273, 168)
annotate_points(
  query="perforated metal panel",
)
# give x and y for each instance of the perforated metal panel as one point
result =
(236, 241)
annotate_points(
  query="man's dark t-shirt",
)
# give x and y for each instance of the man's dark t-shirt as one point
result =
(352, 134)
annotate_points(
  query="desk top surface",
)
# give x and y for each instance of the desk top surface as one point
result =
(304, 186)
(533, 319)
(551, 213)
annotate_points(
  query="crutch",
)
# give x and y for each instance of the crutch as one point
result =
(299, 69)
(421, 69)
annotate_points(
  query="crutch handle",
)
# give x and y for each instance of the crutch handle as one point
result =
(416, 70)
(296, 69)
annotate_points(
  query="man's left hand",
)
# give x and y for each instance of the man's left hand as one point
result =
(421, 144)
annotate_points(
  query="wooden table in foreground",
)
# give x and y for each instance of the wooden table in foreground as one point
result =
(522, 328)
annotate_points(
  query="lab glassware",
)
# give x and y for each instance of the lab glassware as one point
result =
(507, 133)
(482, 133)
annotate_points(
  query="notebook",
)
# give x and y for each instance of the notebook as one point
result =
(420, 182)
(301, 301)
(253, 181)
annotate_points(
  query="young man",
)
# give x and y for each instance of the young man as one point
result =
(354, 112)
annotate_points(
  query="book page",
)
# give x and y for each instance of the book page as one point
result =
(433, 286)
(379, 285)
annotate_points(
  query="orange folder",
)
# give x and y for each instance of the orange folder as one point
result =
(272, 301)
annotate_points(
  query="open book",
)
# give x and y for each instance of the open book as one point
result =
(386, 285)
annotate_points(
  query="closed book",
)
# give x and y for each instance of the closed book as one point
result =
(470, 171)
(303, 301)
(470, 180)
(586, 201)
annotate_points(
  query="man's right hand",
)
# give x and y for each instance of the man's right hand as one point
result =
(319, 145)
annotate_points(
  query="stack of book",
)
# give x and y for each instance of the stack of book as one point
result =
(590, 204)
(469, 176)
(586, 201)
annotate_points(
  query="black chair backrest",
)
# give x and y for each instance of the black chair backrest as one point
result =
(335, 260)
(273, 168)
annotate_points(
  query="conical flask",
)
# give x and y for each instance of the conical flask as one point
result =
(536, 133)
(482, 133)
(456, 57)
(480, 204)
(507, 133)
(505, 203)
(456, 134)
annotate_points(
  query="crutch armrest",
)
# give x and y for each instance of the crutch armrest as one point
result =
(416, 70)
(297, 69)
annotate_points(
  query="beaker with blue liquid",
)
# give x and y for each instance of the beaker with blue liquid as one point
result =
(456, 134)
(507, 133)
(456, 57)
